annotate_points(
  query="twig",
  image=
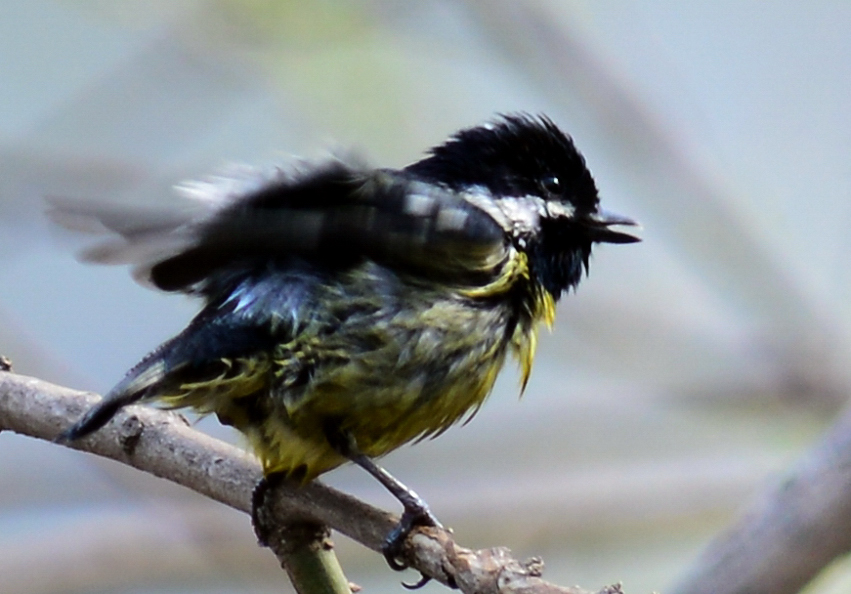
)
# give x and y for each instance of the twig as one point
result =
(307, 554)
(162, 444)
(790, 533)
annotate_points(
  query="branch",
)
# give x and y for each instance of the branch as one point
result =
(306, 553)
(790, 533)
(161, 443)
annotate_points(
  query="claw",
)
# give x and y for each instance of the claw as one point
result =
(394, 562)
(412, 517)
(392, 547)
(424, 579)
(416, 514)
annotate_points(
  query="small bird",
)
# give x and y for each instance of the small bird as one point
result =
(350, 310)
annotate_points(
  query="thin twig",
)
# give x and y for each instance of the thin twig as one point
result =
(307, 554)
(790, 533)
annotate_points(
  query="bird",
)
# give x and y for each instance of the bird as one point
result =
(348, 310)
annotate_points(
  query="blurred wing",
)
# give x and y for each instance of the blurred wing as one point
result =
(221, 359)
(216, 360)
(334, 214)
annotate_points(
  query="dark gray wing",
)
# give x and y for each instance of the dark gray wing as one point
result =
(221, 358)
(334, 214)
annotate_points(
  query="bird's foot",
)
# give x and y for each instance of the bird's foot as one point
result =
(416, 514)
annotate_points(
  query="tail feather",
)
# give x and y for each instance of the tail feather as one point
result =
(136, 386)
(218, 353)
(98, 416)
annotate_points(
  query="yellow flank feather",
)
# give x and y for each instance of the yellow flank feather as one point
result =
(515, 269)
(237, 379)
(525, 338)
(546, 308)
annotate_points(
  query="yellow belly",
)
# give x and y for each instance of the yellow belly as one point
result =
(394, 374)
(383, 399)
(380, 419)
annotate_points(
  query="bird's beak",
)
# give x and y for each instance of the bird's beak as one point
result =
(599, 226)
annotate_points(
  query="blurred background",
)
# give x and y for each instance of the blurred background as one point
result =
(684, 376)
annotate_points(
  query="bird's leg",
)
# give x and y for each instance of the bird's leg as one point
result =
(416, 510)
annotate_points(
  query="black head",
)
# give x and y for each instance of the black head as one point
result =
(516, 155)
(528, 161)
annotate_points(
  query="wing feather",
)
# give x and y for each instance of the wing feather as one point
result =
(336, 213)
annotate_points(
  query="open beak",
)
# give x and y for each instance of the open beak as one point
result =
(599, 228)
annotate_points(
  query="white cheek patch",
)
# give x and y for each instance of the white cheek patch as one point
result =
(556, 209)
(524, 212)
(520, 215)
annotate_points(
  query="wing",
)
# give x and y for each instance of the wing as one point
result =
(222, 357)
(211, 363)
(335, 214)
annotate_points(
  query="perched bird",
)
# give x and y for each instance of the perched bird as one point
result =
(350, 310)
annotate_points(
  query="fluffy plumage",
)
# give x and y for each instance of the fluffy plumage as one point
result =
(376, 304)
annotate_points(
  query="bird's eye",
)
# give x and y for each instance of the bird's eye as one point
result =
(552, 185)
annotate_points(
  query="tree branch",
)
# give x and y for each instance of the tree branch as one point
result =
(306, 553)
(790, 533)
(161, 443)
